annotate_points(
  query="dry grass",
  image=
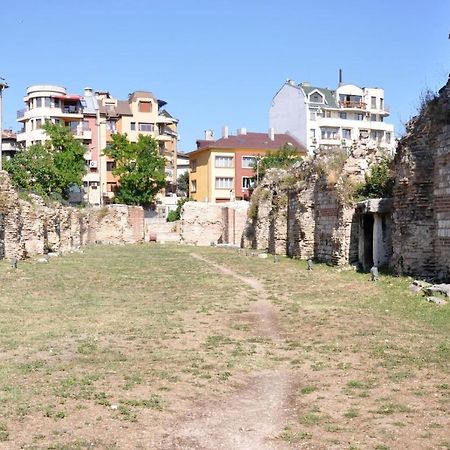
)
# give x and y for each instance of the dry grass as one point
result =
(104, 349)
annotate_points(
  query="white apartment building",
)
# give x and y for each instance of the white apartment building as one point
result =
(321, 118)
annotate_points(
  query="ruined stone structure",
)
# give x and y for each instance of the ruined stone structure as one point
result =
(421, 238)
(30, 227)
(218, 223)
(307, 212)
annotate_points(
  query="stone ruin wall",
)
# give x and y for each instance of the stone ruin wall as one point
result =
(421, 239)
(30, 227)
(213, 223)
(304, 213)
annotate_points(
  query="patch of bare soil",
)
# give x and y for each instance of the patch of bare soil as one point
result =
(251, 416)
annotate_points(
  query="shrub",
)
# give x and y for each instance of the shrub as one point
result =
(379, 182)
(175, 215)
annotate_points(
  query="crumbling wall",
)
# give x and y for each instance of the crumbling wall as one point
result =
(308, 210)
(31, 227)
(206, 223)
(421, 218)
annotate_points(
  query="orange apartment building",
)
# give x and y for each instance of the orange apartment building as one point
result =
(93, 118)
(223, 170)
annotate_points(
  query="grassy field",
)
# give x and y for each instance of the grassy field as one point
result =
(104, 349)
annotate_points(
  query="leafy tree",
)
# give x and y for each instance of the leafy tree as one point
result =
(379, 183)
(50, 169)
(140, 168)
(183, 183)
(284, 157)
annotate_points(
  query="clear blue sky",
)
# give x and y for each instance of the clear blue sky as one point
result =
(220, 62)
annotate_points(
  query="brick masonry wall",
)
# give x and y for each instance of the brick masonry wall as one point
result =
(421, 239)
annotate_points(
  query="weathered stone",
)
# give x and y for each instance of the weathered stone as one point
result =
(436, 300)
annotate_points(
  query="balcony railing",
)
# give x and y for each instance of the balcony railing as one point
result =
(71, 110)
(352, 105)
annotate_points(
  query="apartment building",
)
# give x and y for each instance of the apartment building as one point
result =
(322, 118)
(93, 118)
(223, 170)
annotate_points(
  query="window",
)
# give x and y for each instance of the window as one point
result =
(111, 125)
(86, 125)
(381, 119)
(224, 161)
(193, 165)
(38, 124)
(346, 133)
(329, 133)
(312, 132)
(327, 114)
(312, 115)
(388, 137)
(39, 102)
(133, 126)
(145, 107)
(316, 98)
(143, 126)
(110, 166)
(248, 162)
(47, 102)
(373, 102)
(381, 104)
(373, 117)
(193, 185)
(376, 135)
(342, 115)
(359, 116)
(224, 183)
(57, 103)
(248, 182)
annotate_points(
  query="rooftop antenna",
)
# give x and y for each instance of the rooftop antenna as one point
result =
(340, 78)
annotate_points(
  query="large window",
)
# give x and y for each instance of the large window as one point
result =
(248, 162)
(39, 102)
(342, 115)
(329, 133)
(224, 183)
(373, 102)
(133, 126)
(346, 133)
(143, 126)
(388, 137)
(224, 161)
(47, 102)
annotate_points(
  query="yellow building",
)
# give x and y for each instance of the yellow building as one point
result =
(222, 170)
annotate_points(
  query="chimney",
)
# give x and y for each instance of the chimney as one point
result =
(225, 132)
(271, 134)
(87, 92)
(209, 135)
(241, 131)
(340, 78)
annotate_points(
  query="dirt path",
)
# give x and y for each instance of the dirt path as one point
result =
(255, 413)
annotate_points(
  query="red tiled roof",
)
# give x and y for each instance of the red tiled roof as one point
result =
(252, 140)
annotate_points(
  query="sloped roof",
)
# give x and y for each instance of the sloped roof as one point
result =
(327, 93)
(256, 141)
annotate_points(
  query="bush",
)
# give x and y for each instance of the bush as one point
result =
(175, 215)
(379, 183)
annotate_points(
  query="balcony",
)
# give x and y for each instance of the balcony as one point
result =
(347, 104)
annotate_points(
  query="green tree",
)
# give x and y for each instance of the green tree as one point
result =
(140, 168)
(183, 183)
(379, 182)
(50, 169)
(285, 156)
